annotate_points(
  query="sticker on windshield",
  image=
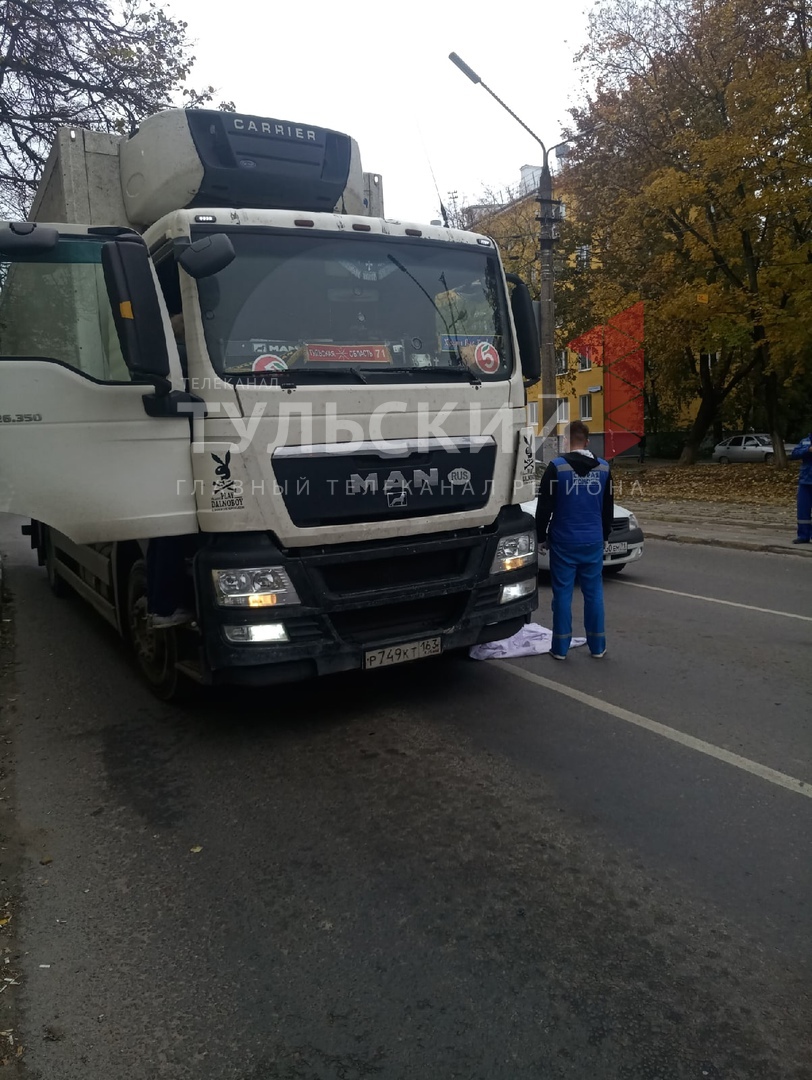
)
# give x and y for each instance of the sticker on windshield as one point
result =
(452, 342)
(269, 363)
(486, 358)
(348, 354)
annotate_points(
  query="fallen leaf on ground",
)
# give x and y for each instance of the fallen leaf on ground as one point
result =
(738, 483)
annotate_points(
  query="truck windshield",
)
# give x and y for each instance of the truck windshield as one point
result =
(324, 305)
(54, 306)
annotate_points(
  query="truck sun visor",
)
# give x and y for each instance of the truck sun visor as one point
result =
(235, 160)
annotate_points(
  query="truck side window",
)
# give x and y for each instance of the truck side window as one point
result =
(57, 308)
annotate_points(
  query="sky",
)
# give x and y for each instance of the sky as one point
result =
(380, 72)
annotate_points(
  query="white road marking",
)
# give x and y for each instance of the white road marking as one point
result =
(762, 771)
(715, 600)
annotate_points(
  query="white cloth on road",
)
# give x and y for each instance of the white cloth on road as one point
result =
(531, 640)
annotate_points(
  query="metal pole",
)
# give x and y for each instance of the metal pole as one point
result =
(547, 241)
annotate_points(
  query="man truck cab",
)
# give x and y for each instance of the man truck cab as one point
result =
(341, 439)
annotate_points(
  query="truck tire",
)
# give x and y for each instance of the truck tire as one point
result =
(156, 651)
(59, 586)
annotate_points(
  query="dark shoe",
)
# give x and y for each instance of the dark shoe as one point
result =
(799, 540)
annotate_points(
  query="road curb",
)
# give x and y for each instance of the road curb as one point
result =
(715, 541)
(705, 523)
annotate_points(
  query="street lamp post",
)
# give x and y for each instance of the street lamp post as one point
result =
(547, 240)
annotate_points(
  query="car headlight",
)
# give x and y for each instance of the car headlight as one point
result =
(254, 587)
(514, 552)
(633, 522)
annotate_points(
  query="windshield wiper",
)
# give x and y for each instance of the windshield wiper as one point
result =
(419, 372)
(293, 374)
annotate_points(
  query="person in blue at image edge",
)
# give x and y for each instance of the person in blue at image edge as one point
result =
(803, 452)
(573, 520)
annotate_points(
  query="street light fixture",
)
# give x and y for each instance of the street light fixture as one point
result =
(547, 239)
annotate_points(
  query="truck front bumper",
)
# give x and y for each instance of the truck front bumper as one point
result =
(361, 597)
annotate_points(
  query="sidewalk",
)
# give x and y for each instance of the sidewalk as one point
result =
(753, 525)
(732, 525)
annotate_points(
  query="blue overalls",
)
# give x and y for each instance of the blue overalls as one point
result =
(576, 553)
(804, 451)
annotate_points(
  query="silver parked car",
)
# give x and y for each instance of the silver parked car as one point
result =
(746, 448)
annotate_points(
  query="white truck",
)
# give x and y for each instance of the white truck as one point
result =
(339, 435)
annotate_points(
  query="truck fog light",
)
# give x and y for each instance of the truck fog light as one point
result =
(516, 590)
(255, 633)
(514, 552)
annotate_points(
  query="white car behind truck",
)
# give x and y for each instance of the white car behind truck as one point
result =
(624, 546)
(341, 436)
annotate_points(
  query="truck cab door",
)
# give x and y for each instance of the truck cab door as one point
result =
(92, 441)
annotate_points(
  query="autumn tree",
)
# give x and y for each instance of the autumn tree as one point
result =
(691, 178)
(85, 62)
(510, 217)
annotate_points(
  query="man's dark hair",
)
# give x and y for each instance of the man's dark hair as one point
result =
(578, 430)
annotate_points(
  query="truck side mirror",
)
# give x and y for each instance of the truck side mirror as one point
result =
(27, 238)
(137, 311)
(207, 256)
(524, 318)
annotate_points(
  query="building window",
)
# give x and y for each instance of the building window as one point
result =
(585, 406)
(563, 410)
(561, 362)
(533, 414)
(584, 361)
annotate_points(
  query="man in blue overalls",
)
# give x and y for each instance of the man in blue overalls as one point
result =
(803, 452)
(573, 519)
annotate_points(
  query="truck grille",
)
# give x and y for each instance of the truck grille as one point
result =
(409, 618)
(388, 573)
(330, 488)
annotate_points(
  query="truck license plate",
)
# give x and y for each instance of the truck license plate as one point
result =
(618, 549)
(401, 654)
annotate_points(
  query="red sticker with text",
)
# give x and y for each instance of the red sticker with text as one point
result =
(269, 363)
(486, 358)
(348, 354)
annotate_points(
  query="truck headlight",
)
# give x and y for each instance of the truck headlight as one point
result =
(514, 552)
(254, 587)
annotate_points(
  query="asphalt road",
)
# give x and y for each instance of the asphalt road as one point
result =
(452, 869)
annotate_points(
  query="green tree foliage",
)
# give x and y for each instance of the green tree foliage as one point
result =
(691, 183)
(84, 62)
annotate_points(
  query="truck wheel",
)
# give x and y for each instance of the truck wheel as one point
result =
(58, 584)
(156, 651)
